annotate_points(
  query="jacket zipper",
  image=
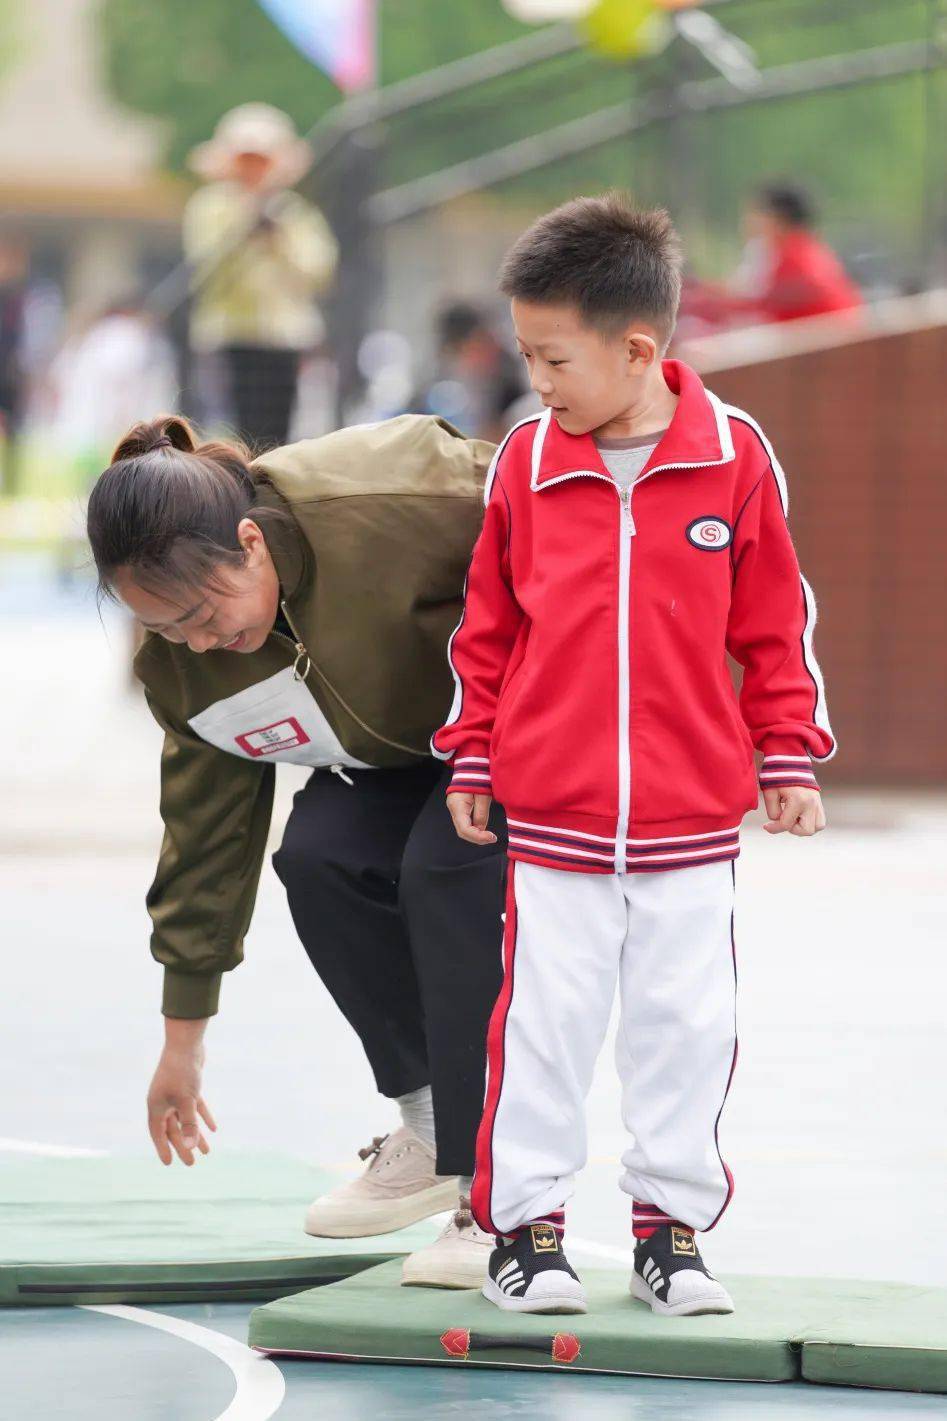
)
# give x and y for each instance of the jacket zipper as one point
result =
(303, 657)
(626, 531)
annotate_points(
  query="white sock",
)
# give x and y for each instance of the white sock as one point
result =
(465, 1184)
(417, 1113)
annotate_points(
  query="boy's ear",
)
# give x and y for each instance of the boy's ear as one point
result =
(642, 348)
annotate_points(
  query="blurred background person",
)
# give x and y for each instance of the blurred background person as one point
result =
(259, 254)
(786, 271)
(476, 378)
(103, 374)
(119, 364)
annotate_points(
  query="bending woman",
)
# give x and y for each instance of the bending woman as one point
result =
(298, 609)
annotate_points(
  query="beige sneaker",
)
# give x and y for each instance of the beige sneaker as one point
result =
(458, 1259)
(398, 1188)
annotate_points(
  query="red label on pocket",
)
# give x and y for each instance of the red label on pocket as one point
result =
(268, 739)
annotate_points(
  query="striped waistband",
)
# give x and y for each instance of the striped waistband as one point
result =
(592, 853)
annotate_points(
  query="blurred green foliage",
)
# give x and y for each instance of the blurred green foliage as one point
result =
(10, 38)
(189, 61)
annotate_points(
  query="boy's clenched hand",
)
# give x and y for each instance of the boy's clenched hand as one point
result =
(794, 808)
(471, 814)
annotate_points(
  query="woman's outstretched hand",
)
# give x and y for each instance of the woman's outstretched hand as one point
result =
(175, 1104)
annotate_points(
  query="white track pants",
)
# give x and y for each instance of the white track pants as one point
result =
(667, 940)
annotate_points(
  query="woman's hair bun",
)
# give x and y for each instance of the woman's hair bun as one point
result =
(168, 431)
(170, 505)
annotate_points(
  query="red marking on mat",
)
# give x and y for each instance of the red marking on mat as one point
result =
(566, 1347)
(459, 1342)
(267, 739)
(456, 1342)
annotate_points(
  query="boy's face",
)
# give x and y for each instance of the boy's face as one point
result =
(586, 376)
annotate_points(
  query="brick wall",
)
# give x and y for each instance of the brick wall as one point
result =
(860, 428)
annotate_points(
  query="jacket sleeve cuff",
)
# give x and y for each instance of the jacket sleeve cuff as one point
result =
(793, 768)
(189, 995)
(470, 773)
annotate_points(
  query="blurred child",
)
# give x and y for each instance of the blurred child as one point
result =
(476, 379)
(103, 376)
(635, 533)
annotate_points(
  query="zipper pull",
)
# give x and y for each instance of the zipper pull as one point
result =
(624, 498)
(302, 655)
(338, 770)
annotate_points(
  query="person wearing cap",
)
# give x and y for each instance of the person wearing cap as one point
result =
(260, 255)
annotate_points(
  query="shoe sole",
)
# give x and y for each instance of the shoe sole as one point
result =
(381, 1216)
(549, 1305)
(694, 1307)
(469, 1278)
(442, 1275)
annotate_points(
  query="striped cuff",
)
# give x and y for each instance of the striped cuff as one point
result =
(555, 1219)
(470, 774)
(647, 1218)
(779, 771)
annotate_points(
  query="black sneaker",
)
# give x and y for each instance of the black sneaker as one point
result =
(671, 1277)
(532, 1274)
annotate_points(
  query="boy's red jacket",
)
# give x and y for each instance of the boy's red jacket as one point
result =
(593, 697)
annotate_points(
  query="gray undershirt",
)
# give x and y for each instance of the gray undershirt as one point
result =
(625, 458)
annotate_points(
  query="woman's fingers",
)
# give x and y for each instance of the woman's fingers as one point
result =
(183, 1151)
(187, 1119)
(156, 1129)
(176, 1131)
(204, 1112)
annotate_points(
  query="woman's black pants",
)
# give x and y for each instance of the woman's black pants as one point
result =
(402, 921)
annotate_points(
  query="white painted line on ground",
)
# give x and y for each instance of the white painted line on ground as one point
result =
(617, 1256)
(39, 1147)
(260, 1383)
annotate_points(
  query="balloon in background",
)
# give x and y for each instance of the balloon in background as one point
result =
(624, 29)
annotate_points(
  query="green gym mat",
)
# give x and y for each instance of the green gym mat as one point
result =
(120, 1229)
(784, 1329)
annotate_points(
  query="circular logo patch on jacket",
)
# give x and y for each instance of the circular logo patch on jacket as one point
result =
(710, 534)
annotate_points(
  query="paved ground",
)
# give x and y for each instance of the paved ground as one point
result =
(832, 1128)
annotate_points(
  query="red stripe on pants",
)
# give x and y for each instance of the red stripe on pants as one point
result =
(482, 1189)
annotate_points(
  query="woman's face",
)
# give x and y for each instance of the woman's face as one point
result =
(236, 613)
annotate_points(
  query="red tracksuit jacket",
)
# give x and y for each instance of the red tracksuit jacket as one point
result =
(593, 697)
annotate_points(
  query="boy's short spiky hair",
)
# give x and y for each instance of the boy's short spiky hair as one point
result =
(612, 261)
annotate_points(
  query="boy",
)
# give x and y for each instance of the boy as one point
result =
(634, 533)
